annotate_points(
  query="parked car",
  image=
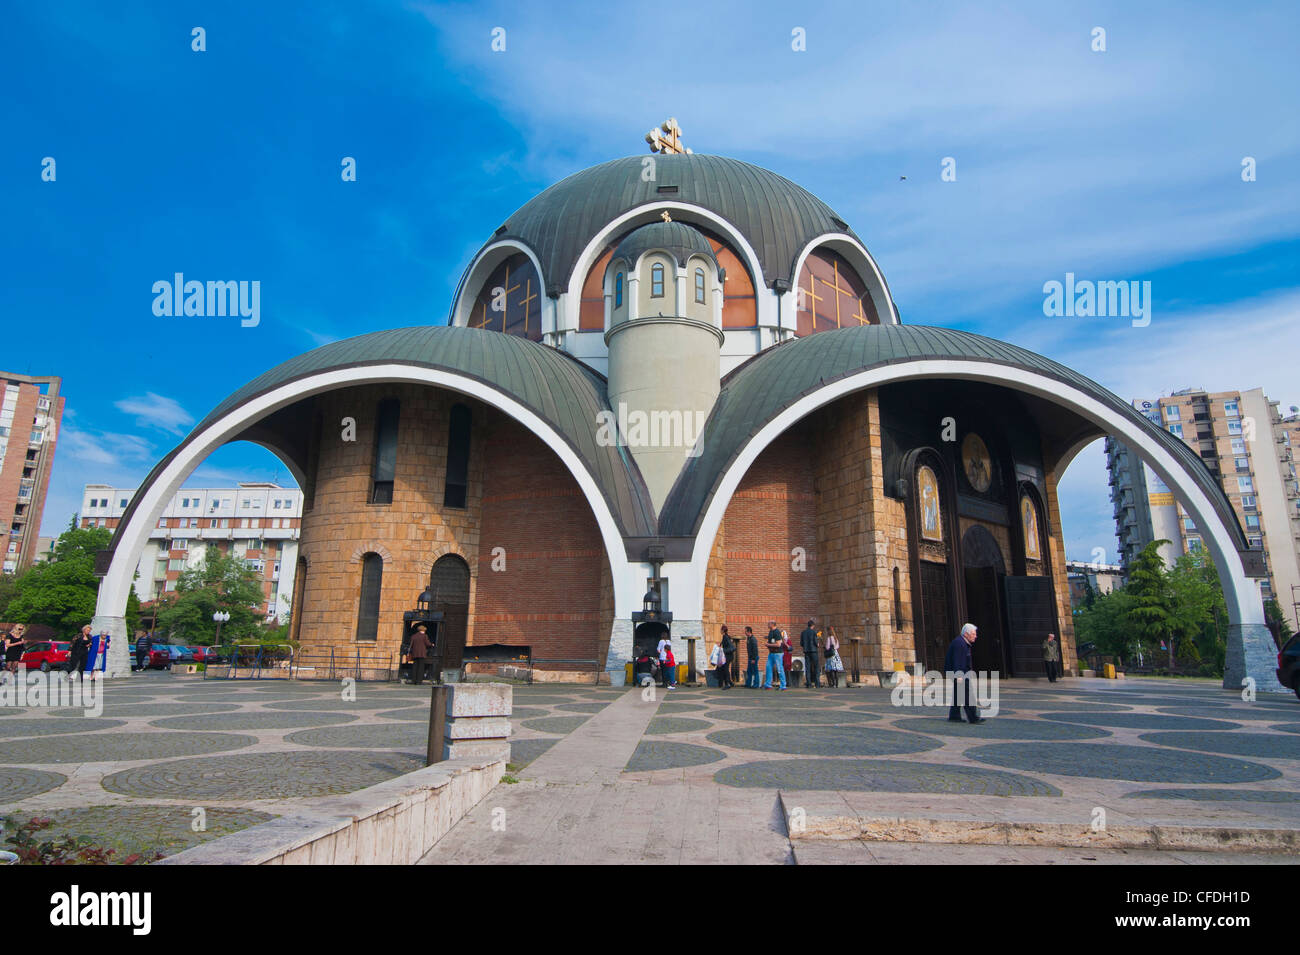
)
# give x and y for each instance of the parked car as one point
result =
(178, 653)
(159, 659)
(46, 655)
(1288, 664)
(206, 654)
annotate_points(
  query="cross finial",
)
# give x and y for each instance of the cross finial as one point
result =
(666, 217)
(666, 138)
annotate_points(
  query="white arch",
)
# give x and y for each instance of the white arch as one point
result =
(110, 605)
(488, 259)
(766, 304)
(856, 254)
(1241, 596)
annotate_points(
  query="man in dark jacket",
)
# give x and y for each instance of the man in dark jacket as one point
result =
(79, 651)
(808, 643)
(751, 658)
(957, 663)
(419, 649)
(142, 648)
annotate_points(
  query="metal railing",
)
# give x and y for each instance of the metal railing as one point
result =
(251, 661)
(335, 664)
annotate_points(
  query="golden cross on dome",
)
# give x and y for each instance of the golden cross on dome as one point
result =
(666, 138)
(665, 216)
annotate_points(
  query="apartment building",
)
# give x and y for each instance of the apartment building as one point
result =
(256, 522)
(1249, 446)
(31, 411)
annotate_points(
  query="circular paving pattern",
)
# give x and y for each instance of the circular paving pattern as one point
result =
(1141, 721)
(556, 724)
(880, 775)
(654, 754)
(773, 698)
(330, 703)
(16, 784)
(10, 711)
(1154, 701)
(668, 709)
(1286, 727)
(1143, 764)
(999, 728)
(583, 707)
(1218, 795)
(665, 725)
(775, 716)
(416, 714)
(73, 723)
(1266, 745)
(824, 741)
(1245, 712)
(252, 721)
(524, 751)
(1071, 706)
(285, 775)
(113, 747)
(394, 735)
(531, 699)
(164, 709)
(130, 829)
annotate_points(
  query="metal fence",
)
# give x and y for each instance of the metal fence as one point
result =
(337, 664)
(252, 661)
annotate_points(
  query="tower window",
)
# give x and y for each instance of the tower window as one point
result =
(384, 469)
(699, 286)
(372, 582)
(458, 432)
(618, 290)
(657, 282)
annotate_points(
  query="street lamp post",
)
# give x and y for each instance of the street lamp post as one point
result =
(220, 617)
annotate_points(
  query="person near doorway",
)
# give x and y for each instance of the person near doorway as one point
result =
(751, 656)
(718, 660)
(775, 656)
(418, 651)
(79, 651)
(142, 648)
(729, 654)
(808, 643)
(667, 679)
(1051, 657)
(834, 666)
(958, 663)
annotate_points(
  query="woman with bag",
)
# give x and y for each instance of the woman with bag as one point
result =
(718, 660)
(834, 665)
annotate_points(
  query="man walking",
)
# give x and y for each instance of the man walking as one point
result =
(418, 651)
(142, 648)
(775, 653)
(1051, 657)
(808, 643)
(957, 664)
(751, 656)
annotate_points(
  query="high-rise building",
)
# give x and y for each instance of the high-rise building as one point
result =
(256, 522)
(1249, 447)
(30, 413)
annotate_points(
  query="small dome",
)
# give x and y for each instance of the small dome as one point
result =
(678, 239)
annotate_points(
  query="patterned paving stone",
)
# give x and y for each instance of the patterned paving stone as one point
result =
(790, 699)
(773, 716)
(16, 784)
(130, 829)
(582, 707)
(287, 775)
(556, 724)
(115, 747)
(37, 726)
(1065, 706)
(1286, 727)
(654, 754)
(542, 700)
(1265, 745)
(416, 714)
(880, 775)
(1243, 712)
(999, 728)
(669, 709)
(395, 735)
(666, 725)
(1143, 764)
(824, 740)
(524, 751)
(361, 705)
(137, 710)
(1142, 721)
(11, 711)
(238, 722)
(1154, 701)
(1219, 795)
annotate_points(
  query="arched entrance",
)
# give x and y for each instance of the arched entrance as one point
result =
(449, 582)
(984, 571)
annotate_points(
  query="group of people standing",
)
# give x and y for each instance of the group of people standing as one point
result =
(816, 646)
(14, 644)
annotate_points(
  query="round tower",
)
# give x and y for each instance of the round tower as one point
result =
(664, 289)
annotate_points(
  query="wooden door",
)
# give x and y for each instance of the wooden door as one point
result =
(1030, 618)
(934, 630)
(984, 609)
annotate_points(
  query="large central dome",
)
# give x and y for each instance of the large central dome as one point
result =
(778, 217)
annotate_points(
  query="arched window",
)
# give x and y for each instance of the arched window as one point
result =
(618, 290)
(384, 469)
(657, 281)
(830, 295)
(458, 431)
(372, 583)
(699, 286)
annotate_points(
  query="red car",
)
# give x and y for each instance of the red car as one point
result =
(206, 654)
(46, 655)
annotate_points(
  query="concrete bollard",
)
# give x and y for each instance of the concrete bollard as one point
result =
(477, 724)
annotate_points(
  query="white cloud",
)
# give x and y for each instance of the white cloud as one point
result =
(157, 412)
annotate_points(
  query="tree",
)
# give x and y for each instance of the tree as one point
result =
(1273, 617)
(1148, 585)
(1108, 624)
(61, 592)
(219, 582)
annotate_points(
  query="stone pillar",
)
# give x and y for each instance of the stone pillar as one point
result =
(1251, 652)
(683, 631)
(478, 725)
(620, 652)
(119, 657)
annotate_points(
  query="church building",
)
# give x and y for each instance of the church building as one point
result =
(673, 392)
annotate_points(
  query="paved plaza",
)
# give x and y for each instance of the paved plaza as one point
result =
(694, 775)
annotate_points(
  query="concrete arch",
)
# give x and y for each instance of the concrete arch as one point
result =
(856, 254)
(115, 586)
(446, 550)
(483, 265)
(1250, 647)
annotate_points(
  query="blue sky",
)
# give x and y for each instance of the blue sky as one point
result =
(1123, 164)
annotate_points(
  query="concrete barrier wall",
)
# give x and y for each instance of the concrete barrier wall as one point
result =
(392, 823)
